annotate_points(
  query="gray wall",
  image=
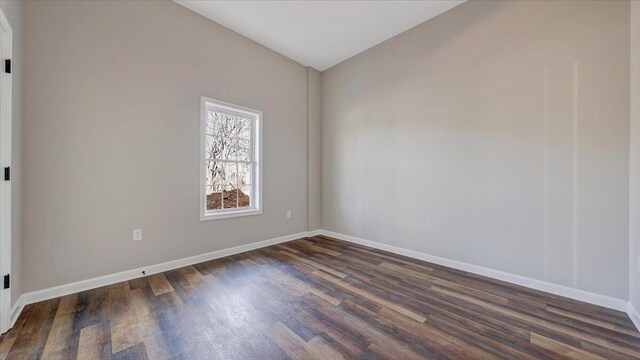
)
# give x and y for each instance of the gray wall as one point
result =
(13, 11)
(496, 134)
(634, 183)
(314, 148)
(111, 136)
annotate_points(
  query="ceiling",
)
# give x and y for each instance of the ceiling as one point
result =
(319, 34)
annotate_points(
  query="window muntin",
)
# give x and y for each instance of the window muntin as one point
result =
(230, 153)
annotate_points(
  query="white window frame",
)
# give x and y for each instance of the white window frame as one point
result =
(256, 139)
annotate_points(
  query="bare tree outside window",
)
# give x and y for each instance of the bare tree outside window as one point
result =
(229, 158)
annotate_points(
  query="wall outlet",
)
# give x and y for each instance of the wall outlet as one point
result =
(288, 214)
(638, 263)
(137, 234)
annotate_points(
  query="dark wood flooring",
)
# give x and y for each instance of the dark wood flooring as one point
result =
(318, 298)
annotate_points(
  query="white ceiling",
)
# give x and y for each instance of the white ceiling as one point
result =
(319, 34)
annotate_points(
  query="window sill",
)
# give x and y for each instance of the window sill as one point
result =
(229, 214)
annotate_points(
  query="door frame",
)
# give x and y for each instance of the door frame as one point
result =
(6, 45)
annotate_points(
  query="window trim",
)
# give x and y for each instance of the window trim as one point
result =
(256, 135)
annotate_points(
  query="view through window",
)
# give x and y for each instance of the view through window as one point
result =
(230, 163)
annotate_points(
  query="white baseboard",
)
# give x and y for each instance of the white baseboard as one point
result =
(62, 290)
(314, 232)
(633, 315)
(572, 293)
(16, 309)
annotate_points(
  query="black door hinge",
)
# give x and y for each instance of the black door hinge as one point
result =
(7, 281)
(7, 66)
(7, 173)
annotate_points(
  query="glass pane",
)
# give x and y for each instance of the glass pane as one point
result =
(243, 128)
(214, 175)
(213, 122)
(227, 149)
(244, 196)
(231, 149)
(214, 199)
(230, 173)
(232, 130)
(228, 125)
(230, 197)
(243, 151)
(215, 147)
(225, 125)
(244, 174)
(209, 173)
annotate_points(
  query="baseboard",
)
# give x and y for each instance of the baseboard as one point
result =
(314, 232)
(16, 309)
(62, 290)
(572, 293)
(633, 315)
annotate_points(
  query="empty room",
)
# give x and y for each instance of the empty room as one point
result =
(390, 179)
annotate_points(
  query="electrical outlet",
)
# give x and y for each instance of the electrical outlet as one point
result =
(288, 214)
(638, 263)
(137, 234)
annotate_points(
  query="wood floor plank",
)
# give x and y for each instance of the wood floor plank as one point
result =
(562, 349)
(306, 244)
(61, 342)
(137, 352)
(319, 348)
(578, 334)
(32, 336)
(5, 346)
(125, 331)
(318, 298)
(364, 328)
(594, 321)
(146, 328)
(315, 264)
(384, 302)
(426, 340)
(288, 341)
(159, 284)
(95, 342)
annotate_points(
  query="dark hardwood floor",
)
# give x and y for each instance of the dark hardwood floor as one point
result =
(318, 298)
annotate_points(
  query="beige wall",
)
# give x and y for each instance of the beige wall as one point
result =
(314, 149)
(496, 134)
(634, 183)
(13, 11)
(111, 136)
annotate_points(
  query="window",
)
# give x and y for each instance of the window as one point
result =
(230, 149)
